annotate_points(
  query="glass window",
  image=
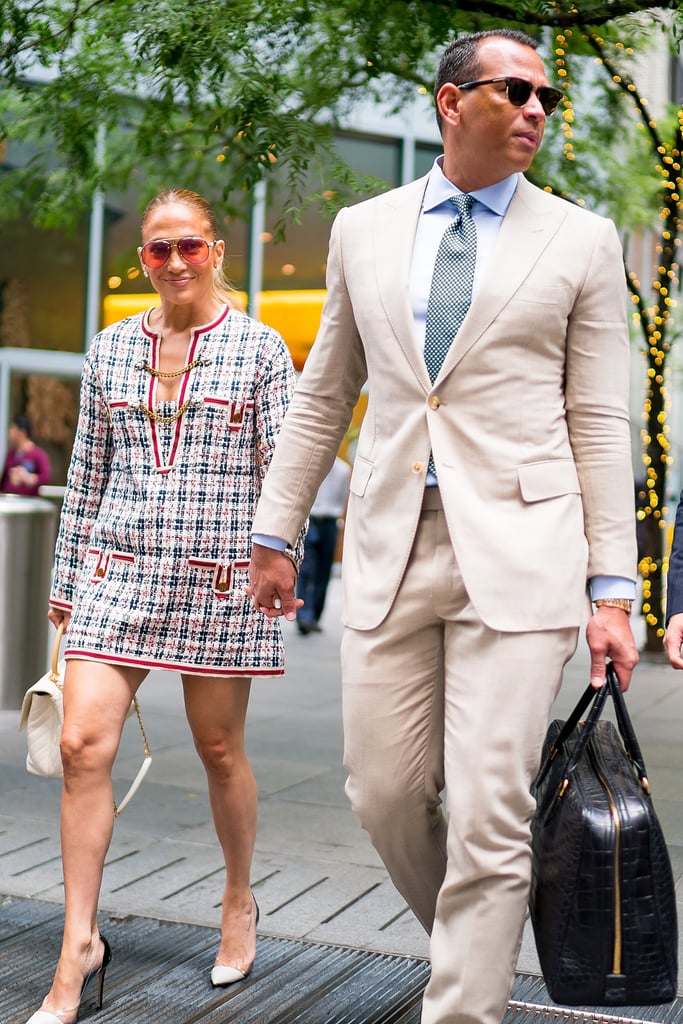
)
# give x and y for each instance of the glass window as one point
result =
(425, 155)
(42, 287)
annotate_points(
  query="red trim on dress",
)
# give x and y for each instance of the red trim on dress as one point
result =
(197, 670)
(155, 338)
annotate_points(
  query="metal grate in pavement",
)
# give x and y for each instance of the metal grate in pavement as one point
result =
(160, 973)
(531, 1004)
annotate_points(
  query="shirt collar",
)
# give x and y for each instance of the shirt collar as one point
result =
(439, 189)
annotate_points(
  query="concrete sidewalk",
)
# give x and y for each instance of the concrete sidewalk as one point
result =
(315, 873)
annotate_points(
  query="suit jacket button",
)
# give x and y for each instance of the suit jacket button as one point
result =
(434, 402)
(417, 467)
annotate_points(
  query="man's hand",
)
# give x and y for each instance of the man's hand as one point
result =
(272, 583)
(673, 639)
(609, 636)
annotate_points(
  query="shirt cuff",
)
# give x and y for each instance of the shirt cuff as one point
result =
(602, 587)
(266, 541)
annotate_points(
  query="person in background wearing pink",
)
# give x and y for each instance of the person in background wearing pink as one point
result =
(27, 467)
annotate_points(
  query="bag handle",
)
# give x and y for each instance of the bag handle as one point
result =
(144, 767)
(598, 697)
(54, 667)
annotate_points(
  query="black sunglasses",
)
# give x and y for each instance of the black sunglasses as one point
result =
(519, 90)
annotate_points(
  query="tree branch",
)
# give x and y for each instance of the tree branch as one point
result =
(21, 44)
(576, 16)
(628, 87)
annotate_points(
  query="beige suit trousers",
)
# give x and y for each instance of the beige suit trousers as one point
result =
(436, 704)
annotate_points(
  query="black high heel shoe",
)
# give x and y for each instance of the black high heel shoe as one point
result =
(221, 974)
(44, 1017)
(98, 973)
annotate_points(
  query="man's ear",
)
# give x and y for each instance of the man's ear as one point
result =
(448, 101)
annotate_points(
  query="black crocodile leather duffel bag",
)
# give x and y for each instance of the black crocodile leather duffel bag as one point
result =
(602, 899)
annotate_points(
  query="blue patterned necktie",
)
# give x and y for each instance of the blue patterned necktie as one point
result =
(451, 291)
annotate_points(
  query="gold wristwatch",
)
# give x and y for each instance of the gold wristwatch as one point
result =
(625, 603)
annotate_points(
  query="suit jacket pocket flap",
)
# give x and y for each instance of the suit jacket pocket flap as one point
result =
(549, 479)
(361, 473)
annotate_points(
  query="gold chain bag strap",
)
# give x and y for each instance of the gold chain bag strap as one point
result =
(42, 715)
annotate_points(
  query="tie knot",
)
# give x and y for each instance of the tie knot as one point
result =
(463, 204)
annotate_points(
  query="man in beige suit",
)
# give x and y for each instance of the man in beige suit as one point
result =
(465, 580)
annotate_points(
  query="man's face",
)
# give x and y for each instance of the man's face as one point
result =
(14, 436)
(490, 138)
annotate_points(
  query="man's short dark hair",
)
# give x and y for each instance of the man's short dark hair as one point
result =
(24, 424)
(460, 60)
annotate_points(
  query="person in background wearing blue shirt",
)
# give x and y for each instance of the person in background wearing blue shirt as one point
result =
(320, 546)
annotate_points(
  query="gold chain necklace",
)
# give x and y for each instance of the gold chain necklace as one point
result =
(171, 373)
(152, 415)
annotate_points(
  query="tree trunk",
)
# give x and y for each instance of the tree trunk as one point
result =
(652, 524)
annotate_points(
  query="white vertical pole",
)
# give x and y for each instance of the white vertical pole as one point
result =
(95, 244)
(407, 159)
(257, 226)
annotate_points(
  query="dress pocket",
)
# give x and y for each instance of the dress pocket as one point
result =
(103, 561)
(227, 578)
(235, 412)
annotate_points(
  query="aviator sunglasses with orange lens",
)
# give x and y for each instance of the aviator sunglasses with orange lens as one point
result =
(519, 90)
(193, 250)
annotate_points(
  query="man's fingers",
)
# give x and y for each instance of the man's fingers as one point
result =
(672, 646)
(673, 639)
(272, 583)
(597, 676)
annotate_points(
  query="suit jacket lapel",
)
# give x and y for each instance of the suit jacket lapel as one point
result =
(397, 219)
(527, 228)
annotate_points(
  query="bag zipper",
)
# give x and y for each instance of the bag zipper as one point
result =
(617, 943)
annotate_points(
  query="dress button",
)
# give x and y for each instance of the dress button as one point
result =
(434, 402)
(100, 573)
(222, 587)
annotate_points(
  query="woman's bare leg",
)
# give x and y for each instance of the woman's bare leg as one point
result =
(96, 700)
(216, 710)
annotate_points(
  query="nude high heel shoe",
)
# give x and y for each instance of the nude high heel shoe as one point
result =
(221, 974)
(64, 1016)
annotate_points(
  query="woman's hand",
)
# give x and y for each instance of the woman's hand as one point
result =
(57, 616)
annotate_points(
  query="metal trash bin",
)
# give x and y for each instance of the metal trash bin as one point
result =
(27, 539)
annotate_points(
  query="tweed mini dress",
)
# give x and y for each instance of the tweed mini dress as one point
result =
(154, 540)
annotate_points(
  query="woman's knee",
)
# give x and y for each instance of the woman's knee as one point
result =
(84, 753)
(219, 757)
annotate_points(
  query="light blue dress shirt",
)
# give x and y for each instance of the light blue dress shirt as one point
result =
(436, 215)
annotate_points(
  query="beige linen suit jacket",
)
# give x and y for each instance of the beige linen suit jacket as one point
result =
(528, 418)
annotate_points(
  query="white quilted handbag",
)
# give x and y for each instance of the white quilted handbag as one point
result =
(42, 715)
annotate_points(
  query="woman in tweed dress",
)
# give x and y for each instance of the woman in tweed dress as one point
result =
(177, 425)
